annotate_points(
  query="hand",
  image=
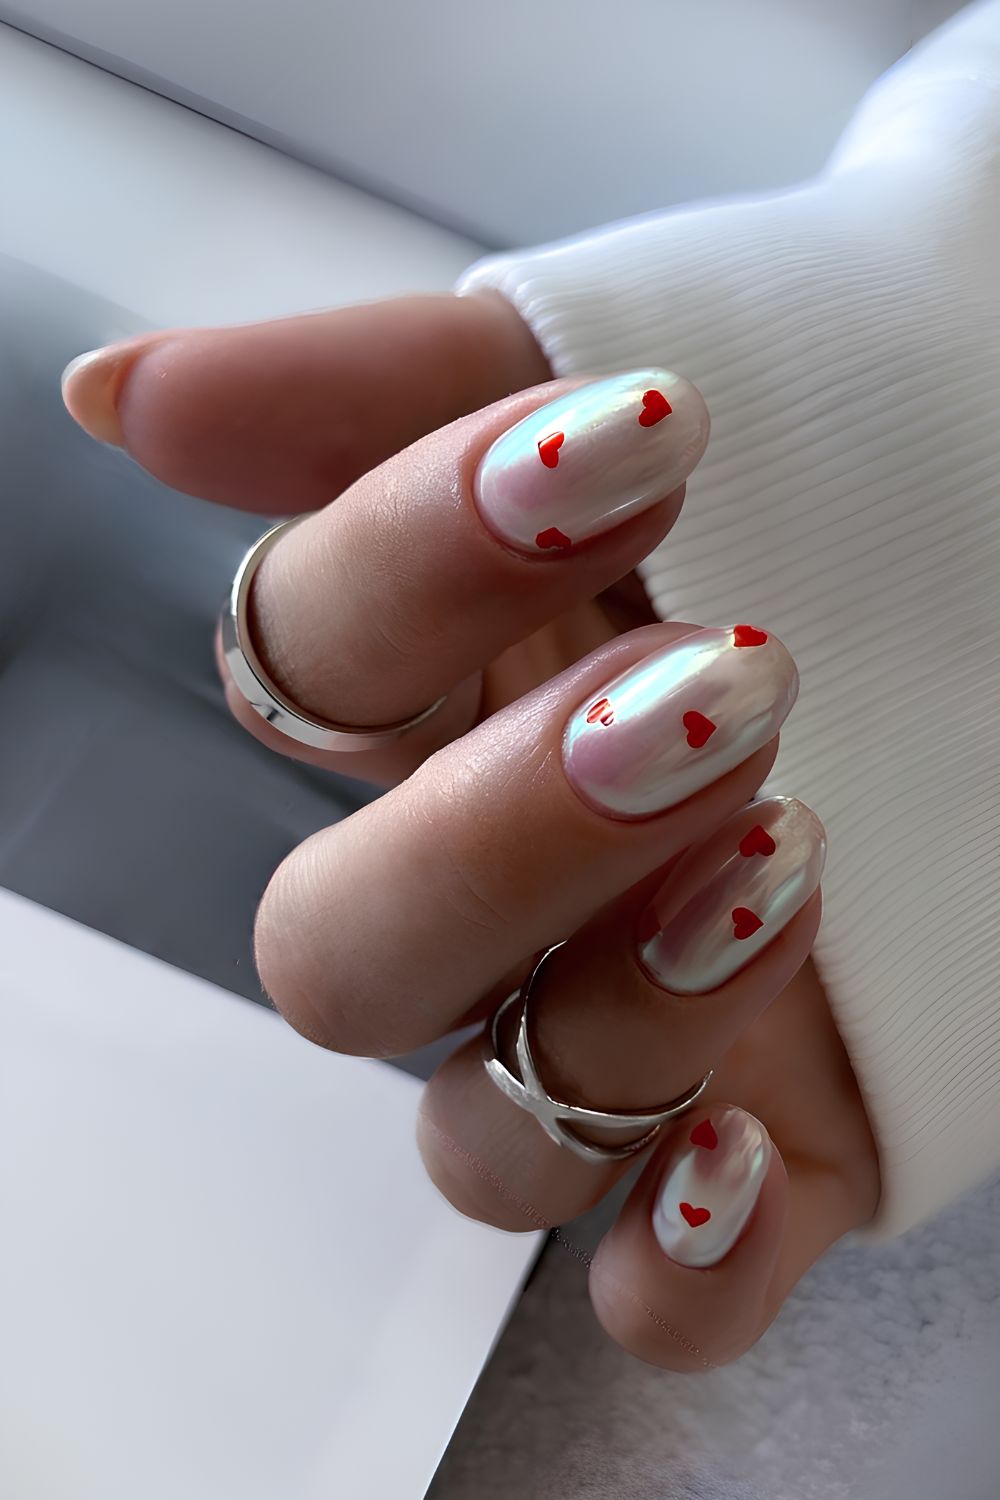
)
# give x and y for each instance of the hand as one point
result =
(504, 831)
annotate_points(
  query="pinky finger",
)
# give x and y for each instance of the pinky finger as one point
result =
(683, 1278)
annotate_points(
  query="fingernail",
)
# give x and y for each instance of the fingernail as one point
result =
(90, 386)
(587, 461)
(749, 878)
(679, 719)
(711, 1186)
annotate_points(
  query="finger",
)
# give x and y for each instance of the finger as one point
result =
(714, 1236)
(807, 1091)
(633, 1011)
(377, 933)
(281, 416)
(434, 563)
(682, 1277)
(383, 766)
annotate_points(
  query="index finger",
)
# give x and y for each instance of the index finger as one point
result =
(472, 539)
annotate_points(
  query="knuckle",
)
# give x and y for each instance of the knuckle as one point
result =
(300, 970)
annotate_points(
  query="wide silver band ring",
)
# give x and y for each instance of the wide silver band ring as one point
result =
(264, 696)
(556, 1117)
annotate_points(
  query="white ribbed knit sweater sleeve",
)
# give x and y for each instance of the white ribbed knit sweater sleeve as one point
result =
(847, 339)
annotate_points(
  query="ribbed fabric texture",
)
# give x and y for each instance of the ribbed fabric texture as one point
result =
(847, 339)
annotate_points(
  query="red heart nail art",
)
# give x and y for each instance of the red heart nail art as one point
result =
(745, 635)
(745, 922)
(655, 407)
(552, 537)
(698, 728)
(548, 449)
(601, 710)
(757, 841)
(695, 1216)
(704, 1135)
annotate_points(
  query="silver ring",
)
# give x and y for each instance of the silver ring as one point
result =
(554, 1114)
(265, 697)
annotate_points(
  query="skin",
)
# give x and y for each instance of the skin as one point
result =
(388, 406)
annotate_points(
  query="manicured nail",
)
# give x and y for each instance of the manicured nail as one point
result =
(767, 861)
(711, 1186)
(679, 719)
(90, 386)
(592, 458)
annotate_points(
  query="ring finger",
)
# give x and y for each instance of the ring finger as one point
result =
(631, 1012)
(526, 830)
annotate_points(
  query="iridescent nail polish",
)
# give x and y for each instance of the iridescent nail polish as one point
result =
(679, 719)
(771, 857)
(711, 1187)
(590, 459)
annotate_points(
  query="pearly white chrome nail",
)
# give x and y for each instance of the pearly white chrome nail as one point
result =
(711, 1187)
(591, 459)
(771, 857)
(679, 719)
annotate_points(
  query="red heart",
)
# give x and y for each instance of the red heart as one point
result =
(745, 922)
(601, 710)
(698, 727)
(548, 449)
(552, 537)
(704, 1135)
(745, 635)
(757, 841)
(655, 407)
(695, 1216)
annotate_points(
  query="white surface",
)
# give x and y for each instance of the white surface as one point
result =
(521, 121)
(213, 1283)
(180, 220)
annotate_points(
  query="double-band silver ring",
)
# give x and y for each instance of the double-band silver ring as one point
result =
(561, 1121)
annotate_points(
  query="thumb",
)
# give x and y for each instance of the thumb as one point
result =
(281, 416)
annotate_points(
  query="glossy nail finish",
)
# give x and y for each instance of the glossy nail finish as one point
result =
(773, 857)
(679, 719)
(711, 1186)
(587, 461)
(90, 385)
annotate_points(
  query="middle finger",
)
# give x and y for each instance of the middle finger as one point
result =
(376, 935)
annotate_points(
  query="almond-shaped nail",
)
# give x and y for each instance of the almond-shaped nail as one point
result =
(767, 861)
(590, 459)
(90, 386)
(711, 1187)
(679, 719)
